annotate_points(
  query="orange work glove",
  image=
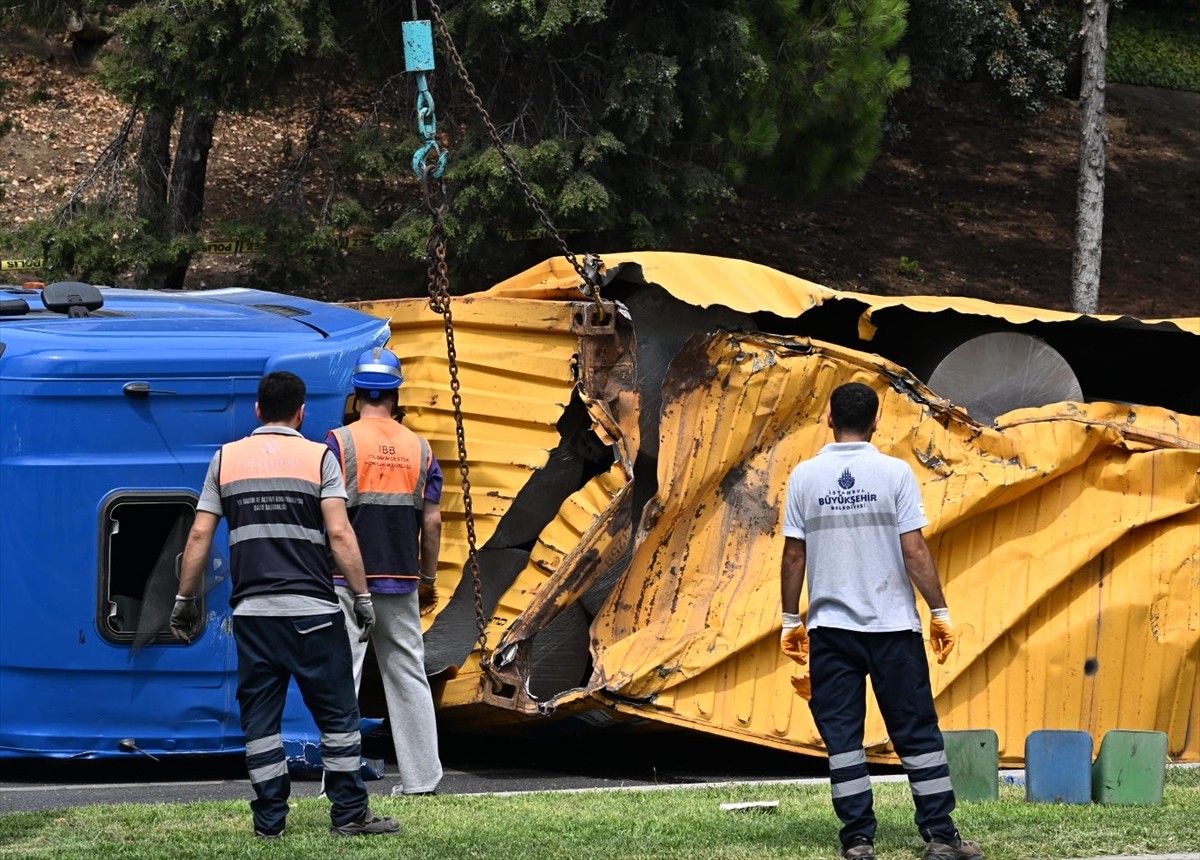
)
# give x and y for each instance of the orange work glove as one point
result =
(941, 633)
(802, 684)
(427, 598)
(794, 640)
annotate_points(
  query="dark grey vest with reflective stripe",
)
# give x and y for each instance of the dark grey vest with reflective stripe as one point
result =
(271, 497)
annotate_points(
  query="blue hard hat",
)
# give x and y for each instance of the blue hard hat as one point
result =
(376, 370)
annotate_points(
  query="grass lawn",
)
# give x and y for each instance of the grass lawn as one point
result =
(676, 823)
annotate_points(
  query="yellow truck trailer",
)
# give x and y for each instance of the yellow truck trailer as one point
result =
(627, 459)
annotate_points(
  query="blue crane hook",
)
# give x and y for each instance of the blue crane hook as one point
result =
(418, 59)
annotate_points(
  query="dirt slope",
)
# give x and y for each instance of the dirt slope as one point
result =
(984, 206)
(973, 203)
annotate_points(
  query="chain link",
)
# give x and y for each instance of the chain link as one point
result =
(589, 270)
(439, 302)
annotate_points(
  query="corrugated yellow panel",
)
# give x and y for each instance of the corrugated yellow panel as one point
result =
(1066, 541)
(519, 363)
(516, 376)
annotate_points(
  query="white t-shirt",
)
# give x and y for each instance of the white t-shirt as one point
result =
(850, 504)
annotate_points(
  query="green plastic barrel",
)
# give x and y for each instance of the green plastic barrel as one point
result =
(974, 757)
(1131, 768)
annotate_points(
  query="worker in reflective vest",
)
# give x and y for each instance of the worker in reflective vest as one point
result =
(285, 502)
(394, 489)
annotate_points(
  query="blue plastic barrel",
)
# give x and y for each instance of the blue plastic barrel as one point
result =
(1058, 766)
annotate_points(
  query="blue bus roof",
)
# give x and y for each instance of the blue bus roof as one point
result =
(109, 417)
(190, 328)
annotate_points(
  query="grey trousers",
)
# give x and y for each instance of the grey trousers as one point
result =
(400, 652)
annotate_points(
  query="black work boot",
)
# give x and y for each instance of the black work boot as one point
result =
(964, 850)
(367, 824)
(859, 848)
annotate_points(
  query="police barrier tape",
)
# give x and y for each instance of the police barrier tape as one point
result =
(21, 265)
(223, 246)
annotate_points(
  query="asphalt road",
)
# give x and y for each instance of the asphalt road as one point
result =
(472, 763)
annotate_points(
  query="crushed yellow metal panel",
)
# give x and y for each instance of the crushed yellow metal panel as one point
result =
(1066, 542)
(1013, 313)
(1066, 535)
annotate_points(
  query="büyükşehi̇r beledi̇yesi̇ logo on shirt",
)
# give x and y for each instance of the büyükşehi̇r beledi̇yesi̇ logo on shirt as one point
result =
(844, 500)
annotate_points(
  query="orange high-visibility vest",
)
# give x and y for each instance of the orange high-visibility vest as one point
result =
(386, 466)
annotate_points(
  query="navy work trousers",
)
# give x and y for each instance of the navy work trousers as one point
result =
(314, 650)
(841, 660)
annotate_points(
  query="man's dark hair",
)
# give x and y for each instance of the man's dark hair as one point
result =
(853, 407)
(385, 395)
(280, 396)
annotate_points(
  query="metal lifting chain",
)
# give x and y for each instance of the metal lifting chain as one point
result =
(589, 270)
(429, 163)
(439, 302)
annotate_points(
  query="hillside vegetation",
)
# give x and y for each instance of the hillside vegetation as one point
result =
(971, 201)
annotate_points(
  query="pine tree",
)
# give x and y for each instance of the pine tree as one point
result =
(191, 61)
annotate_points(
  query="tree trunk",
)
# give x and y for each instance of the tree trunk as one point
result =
(153, 165)
(189, 170)
(1089, 209)
(184, 200)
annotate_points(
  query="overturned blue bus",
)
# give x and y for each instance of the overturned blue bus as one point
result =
(112, 402)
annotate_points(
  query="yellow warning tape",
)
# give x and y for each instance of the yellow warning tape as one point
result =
(21, 265)
(227, 246)
(220, 246)
(230, 246)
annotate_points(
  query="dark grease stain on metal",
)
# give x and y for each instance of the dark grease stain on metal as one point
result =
(586, 563)
(731, 483)
(675, 575)
(621, 519)
(690, 369)
(742, 491)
